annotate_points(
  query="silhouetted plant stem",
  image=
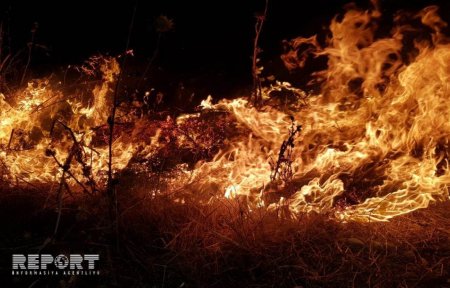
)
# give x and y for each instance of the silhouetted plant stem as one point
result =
(163, 24)
(257, 88)
(284, 155)
(1, 42)
(30, 50)
(111, 191)
(150, 62)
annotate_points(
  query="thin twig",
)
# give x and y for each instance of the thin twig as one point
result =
(111, 191)
(150, 62)
(257, 88)
(30, 50)
(10, 138)
(60, 200)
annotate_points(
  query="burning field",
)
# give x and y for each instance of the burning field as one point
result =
(340, 182)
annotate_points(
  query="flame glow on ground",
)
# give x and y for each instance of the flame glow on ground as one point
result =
(374, 142)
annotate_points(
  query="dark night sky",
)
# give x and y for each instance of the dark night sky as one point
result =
(208, 36)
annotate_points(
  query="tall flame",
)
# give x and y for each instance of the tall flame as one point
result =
(374, 142)
(375, 138)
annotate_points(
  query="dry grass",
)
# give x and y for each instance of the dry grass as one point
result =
(222, 244)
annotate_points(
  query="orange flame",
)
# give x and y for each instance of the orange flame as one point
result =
(29, 128)
(379, 128)
(374, 142)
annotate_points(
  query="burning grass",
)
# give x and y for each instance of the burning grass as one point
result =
(296, 191)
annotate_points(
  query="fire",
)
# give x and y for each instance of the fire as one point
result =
(374, 142)
(36, 132)
(374, 139)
